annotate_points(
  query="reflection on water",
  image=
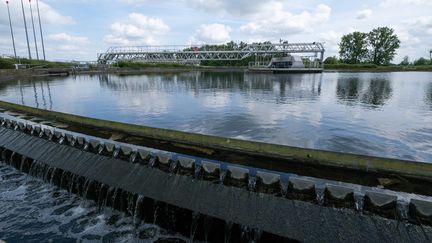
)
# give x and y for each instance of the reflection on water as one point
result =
(379, 91)
(373, 92)
(383, 114)
(429, 95)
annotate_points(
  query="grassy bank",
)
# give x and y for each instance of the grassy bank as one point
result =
(8, 63)
(373, 67)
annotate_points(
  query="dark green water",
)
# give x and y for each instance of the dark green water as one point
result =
(382, 114)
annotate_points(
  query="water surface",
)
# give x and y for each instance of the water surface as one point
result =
(382, 114)
(33, 211)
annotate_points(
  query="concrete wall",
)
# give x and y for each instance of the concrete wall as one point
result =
(184, 187)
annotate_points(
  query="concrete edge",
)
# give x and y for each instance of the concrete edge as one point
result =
(413, 169)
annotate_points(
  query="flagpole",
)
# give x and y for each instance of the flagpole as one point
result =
(12, 34)
(34, 31)
(40, 28)
(25, 26)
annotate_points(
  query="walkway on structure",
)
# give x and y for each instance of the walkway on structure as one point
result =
(155, 54)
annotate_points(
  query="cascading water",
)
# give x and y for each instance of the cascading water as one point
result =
(51, 214)
(209, 202)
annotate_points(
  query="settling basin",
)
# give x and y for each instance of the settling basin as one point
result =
(380, 114)
(217, 157)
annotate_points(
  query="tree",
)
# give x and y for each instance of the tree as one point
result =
(331, 60)
(353, 48)
(405, 61)
(421, 62)
(383, 43)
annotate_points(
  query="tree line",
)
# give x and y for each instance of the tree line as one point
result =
(377, 47)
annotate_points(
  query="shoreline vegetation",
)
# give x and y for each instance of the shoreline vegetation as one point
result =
(8, 64)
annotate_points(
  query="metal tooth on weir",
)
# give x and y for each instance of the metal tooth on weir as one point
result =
(29, 128)
(8, 122)
(57, 136)
(210, 171)
(420, 211)
(107, 149)
(15, 125)
(142, 157)
(268, 183)
(80, 142)
(185, 166)
(47, 133)
(237, 176)
(93, 145)
(301, 189)
(163, 162)
(381, 203)
(124, 152)
(22, 126)
(339, 196)
(70, 139)
(36, 130)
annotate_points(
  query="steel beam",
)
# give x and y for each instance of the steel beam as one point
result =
(190, 53)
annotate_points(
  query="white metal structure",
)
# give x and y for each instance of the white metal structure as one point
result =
(155, 54)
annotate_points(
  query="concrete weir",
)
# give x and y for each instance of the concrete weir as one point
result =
(211, 200)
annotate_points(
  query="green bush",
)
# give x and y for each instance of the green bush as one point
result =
(331, 60)
(6, 63)
(349, 66)
(422, 62)
(9, 63)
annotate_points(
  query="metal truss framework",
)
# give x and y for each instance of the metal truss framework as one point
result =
(155, 54)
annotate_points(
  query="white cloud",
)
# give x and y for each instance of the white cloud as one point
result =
(331, 39)
(138, 29)
(63, 45)
(364, 14)
(238, 8)
(277, 22)
(211, 34)
(134, 2)
(386, 3)
(66, 38)
(49, 15)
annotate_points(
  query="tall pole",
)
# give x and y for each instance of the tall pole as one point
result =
(12, 34)
(40, 28)
(25, 26)
(34, 31)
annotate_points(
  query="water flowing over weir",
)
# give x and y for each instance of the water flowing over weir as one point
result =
(208, 200)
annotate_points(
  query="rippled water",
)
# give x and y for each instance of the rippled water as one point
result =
(33, 211)
(383, 114)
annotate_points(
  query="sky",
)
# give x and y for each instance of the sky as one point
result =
(79, 29)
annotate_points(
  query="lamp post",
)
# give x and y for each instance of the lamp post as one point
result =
(34, 31)
(40, 28)
(25, 26)
(11, 30)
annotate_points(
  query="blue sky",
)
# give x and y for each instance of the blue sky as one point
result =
(80, 29)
